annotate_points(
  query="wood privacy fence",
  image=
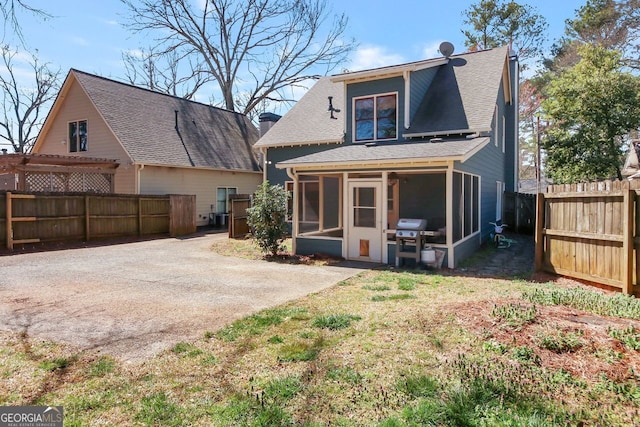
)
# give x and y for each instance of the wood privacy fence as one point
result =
(590, 231)
(47, 217)
(239, 203)
(520, 212)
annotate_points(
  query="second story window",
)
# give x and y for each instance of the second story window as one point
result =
(375, 117)
(78, 136)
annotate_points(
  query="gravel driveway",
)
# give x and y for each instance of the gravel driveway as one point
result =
(134, 300)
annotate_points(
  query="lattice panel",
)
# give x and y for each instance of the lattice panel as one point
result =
(69, 182)
(98, 182)
(47, 181)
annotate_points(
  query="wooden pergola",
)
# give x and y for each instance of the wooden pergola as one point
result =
(55, 173)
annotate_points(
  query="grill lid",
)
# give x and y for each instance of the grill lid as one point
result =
(411, 224)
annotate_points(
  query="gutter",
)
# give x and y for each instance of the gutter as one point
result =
(479, 132)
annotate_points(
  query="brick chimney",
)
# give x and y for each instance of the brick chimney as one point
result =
(267, 120)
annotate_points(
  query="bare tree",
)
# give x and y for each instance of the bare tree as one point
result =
(22, 105)
(253, 49)
(168, 72)
(10, 10)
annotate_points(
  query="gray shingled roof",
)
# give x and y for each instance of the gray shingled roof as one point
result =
(457, 149)
(463, 94)
(308, 120)
(145, 123)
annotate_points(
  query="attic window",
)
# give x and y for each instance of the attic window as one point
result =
(78, 136)
(375, 117)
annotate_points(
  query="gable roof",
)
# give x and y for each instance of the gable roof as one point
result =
(308, 121)
(462, 96)
(461, 99)
(144, 122)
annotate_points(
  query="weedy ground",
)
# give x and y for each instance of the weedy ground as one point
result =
(385, 348)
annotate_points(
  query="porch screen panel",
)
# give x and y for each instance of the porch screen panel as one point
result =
(476, 204)
(458, 208)
(331, 197)
(468, 204)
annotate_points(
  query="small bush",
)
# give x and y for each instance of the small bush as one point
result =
(267, 217)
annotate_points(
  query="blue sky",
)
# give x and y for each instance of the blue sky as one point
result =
(87, 34)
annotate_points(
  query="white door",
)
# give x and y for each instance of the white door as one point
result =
(365, 221)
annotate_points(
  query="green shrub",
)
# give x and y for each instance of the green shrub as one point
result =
(267, 217)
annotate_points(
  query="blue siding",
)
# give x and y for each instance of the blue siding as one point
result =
(512, 133)
(354, 90)
(305, 246)
(279, 154)
(420, 82)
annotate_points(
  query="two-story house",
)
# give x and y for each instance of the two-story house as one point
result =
(434, 140)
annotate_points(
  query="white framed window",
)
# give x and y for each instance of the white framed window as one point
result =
(504, 127)
(222, 198)
(375, 118)
(499, 196)
(466, 199)
(288, 185)
(78, 136)
(495, 123)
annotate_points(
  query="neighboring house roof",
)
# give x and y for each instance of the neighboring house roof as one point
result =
(463, 95)
(356, 154)
(308, 121)
(145, 122)
(632, 163)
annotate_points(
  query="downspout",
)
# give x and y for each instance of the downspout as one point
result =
(407, 98)
(294, 215)
(139, 177)
(265, 164)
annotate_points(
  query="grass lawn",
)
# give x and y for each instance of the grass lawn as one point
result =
(385, 348)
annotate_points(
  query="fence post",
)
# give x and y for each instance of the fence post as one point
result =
(9, 221)
(539, 239)
(87, 228)
(628, 241)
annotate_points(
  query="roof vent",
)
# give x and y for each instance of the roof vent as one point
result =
(446, 49)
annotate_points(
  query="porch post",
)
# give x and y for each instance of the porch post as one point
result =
(385, 216)
(345, 214)
(449, 222)
(294, 214)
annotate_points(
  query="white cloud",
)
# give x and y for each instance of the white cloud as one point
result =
(80, 41)
(431, 50)
(111, 22)
(369, 56)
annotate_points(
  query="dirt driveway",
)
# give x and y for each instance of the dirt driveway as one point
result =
(134, 300)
